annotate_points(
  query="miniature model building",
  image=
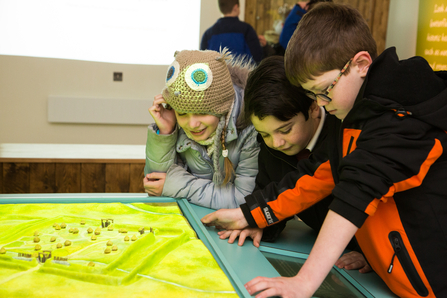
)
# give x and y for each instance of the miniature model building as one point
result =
(104, 250)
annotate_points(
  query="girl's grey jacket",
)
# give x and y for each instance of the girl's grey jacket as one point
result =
(189, 170)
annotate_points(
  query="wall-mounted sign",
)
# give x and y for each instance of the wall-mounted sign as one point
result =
(432, 33)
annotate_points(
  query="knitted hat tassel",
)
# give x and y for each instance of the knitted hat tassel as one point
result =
(217, 176)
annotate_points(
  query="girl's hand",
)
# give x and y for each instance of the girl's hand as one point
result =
(153, 183)
(164, 117)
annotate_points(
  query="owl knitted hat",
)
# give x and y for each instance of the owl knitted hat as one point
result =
(199, 82)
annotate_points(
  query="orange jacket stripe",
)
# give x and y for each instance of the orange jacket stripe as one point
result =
(373, 239)
(411, 182)
(309, 190)
(348, 134)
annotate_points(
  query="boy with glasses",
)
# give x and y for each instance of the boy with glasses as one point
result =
(386, 167)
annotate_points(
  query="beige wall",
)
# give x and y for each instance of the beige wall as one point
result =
(26, 83)
(402, 27)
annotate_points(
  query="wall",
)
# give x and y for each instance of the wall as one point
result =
(26, 83)
(402, 27)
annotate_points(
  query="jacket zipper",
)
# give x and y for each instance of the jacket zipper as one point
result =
(407, 264)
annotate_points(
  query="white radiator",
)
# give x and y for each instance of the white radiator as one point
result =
(99, 110)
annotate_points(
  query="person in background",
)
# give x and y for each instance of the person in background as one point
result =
(293, 18)
(195, 149)
(239, 37)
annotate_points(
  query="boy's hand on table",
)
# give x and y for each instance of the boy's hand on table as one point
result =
(353, 260)
(153, 183)
(163, 114)
(278, 286)
(253, 233)
(228, 219)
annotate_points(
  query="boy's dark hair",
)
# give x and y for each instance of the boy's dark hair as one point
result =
(226, 6)
(269, 93)
(326, 38)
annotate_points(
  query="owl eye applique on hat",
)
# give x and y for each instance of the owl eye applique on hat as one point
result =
(172, 74)
(199, 76)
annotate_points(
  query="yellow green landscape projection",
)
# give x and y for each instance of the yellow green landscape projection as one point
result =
(104, 250)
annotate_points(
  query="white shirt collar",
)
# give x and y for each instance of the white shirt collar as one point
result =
(314, 140)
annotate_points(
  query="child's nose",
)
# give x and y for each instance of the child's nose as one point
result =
(321, 102)
(277, 142)
(194, 122)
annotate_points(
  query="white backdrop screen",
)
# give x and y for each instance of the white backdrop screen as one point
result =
(117, 31)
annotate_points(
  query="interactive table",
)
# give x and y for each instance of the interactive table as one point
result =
(240, 264)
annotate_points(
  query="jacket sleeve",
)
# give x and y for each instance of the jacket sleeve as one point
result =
(160, 150)
(388, 156)
(296, 192)
(182, 184)
(290, 25)
(254, 45)
(204, 41)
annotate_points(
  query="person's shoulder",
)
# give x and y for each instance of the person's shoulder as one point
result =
(247, 25)
(247, 28)
(236, 20)
(212, 27)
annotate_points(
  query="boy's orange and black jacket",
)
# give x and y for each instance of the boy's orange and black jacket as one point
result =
(272, 166)
(387, 171)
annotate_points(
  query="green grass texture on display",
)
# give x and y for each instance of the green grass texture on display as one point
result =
(104, 250)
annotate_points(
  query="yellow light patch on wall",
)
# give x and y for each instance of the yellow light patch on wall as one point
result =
(432, 33)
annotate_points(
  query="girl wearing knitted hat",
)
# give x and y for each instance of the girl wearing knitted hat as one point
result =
(196, 149)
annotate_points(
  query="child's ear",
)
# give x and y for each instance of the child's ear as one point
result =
(362, 60)
(314, 110)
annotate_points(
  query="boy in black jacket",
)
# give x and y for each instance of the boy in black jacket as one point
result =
(291, 126)
(386, 168)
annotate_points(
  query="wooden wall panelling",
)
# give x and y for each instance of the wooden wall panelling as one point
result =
(117, 177)
(68, 177)
(375, 13)
(16, 178)
(1, 177)
(380, 22)
(262, 16)
(250, 13)
(93, 177)
(136, 177)
(42, 178)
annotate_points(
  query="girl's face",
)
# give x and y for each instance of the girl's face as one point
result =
(199, 126)
(289, 137)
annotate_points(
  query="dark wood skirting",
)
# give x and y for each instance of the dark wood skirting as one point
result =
(71, 176)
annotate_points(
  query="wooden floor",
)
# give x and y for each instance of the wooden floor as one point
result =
(56, 168)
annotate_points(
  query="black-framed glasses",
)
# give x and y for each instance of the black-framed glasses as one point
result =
(324, 95)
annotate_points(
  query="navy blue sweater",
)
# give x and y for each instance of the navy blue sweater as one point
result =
(239, 37)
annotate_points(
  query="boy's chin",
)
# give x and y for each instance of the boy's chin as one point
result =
(291, 152)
